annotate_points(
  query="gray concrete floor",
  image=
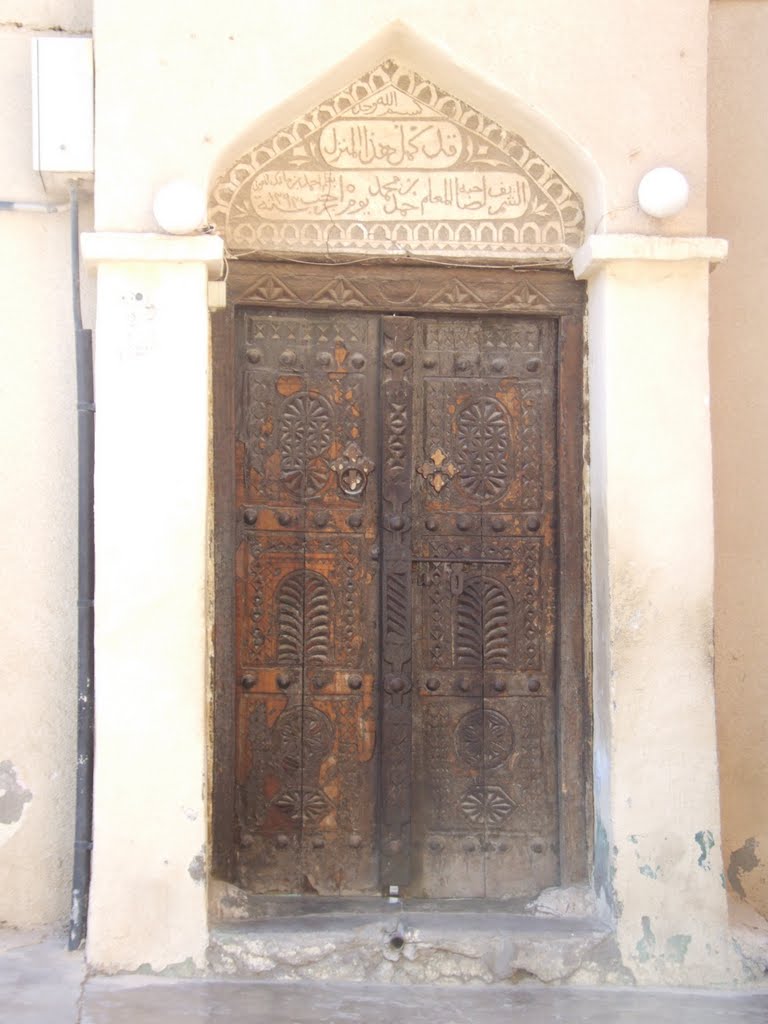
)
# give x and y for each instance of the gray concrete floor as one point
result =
(39, 980)
(40, 983)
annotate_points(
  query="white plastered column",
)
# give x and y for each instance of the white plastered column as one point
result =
(658, 855)
(148, 891)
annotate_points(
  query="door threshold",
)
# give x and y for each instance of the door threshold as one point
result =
(371, 938)
(256, 909)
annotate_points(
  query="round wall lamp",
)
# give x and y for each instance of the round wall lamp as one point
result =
(180, 208)
(663, 192)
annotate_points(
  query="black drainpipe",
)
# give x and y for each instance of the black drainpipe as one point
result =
(81, 869)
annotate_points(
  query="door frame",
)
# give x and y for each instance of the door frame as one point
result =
(413, 287)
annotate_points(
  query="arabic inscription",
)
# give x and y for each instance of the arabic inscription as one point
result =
(394, 164)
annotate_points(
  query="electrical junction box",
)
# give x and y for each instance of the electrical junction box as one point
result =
(62, 106)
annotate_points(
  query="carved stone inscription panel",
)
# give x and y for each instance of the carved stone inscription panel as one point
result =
(395, 591)
(395, 164)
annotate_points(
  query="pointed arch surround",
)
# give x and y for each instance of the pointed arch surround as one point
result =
(394, 164)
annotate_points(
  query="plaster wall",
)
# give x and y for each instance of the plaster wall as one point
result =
(148, 892)
(658, 851)
(188, 101)
(738, 86)
(38, 502)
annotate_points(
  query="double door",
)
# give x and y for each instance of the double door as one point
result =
(395, 592)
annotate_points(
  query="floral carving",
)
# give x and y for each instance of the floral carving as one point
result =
(303, 738)
(483, 738)
(304, 619)
(483, 625)
(305, 434)
(483, 448)
(487, 805)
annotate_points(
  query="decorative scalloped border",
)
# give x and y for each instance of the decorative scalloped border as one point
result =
(442, 237)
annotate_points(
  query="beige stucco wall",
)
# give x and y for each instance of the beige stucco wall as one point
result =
(192, 93)
(38, 504)
(150, 817)
(738, 87)
(656, 772)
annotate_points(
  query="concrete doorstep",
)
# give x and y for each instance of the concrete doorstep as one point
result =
(41, 983)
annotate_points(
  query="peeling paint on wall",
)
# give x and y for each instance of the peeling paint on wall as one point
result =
(646, 947)
(741, 862)
(645, 867)
(676, 947)
(706, 842)
(197, 867)
(13, 795)
(602, 863)
(648, 871)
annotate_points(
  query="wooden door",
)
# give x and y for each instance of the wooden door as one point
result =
(484, 731)
(405, 686)
(306, 603)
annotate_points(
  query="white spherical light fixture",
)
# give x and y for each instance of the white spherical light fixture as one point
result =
(180, 208)
(663, 192)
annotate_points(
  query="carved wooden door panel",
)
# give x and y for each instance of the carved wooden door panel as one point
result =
(483, 537)
(306, 603)
(396, 599)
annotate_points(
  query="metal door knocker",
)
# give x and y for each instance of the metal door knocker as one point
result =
(352, 470)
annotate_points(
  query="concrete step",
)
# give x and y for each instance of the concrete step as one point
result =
(291, 938)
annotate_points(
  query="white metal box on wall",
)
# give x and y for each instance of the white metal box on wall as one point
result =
(62, 105)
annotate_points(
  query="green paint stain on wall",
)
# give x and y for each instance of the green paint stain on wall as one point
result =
(706, 842)
(649, 872)
(646, 947)
(677, 947)
(604, 868)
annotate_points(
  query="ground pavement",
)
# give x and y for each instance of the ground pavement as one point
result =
(41, 983)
